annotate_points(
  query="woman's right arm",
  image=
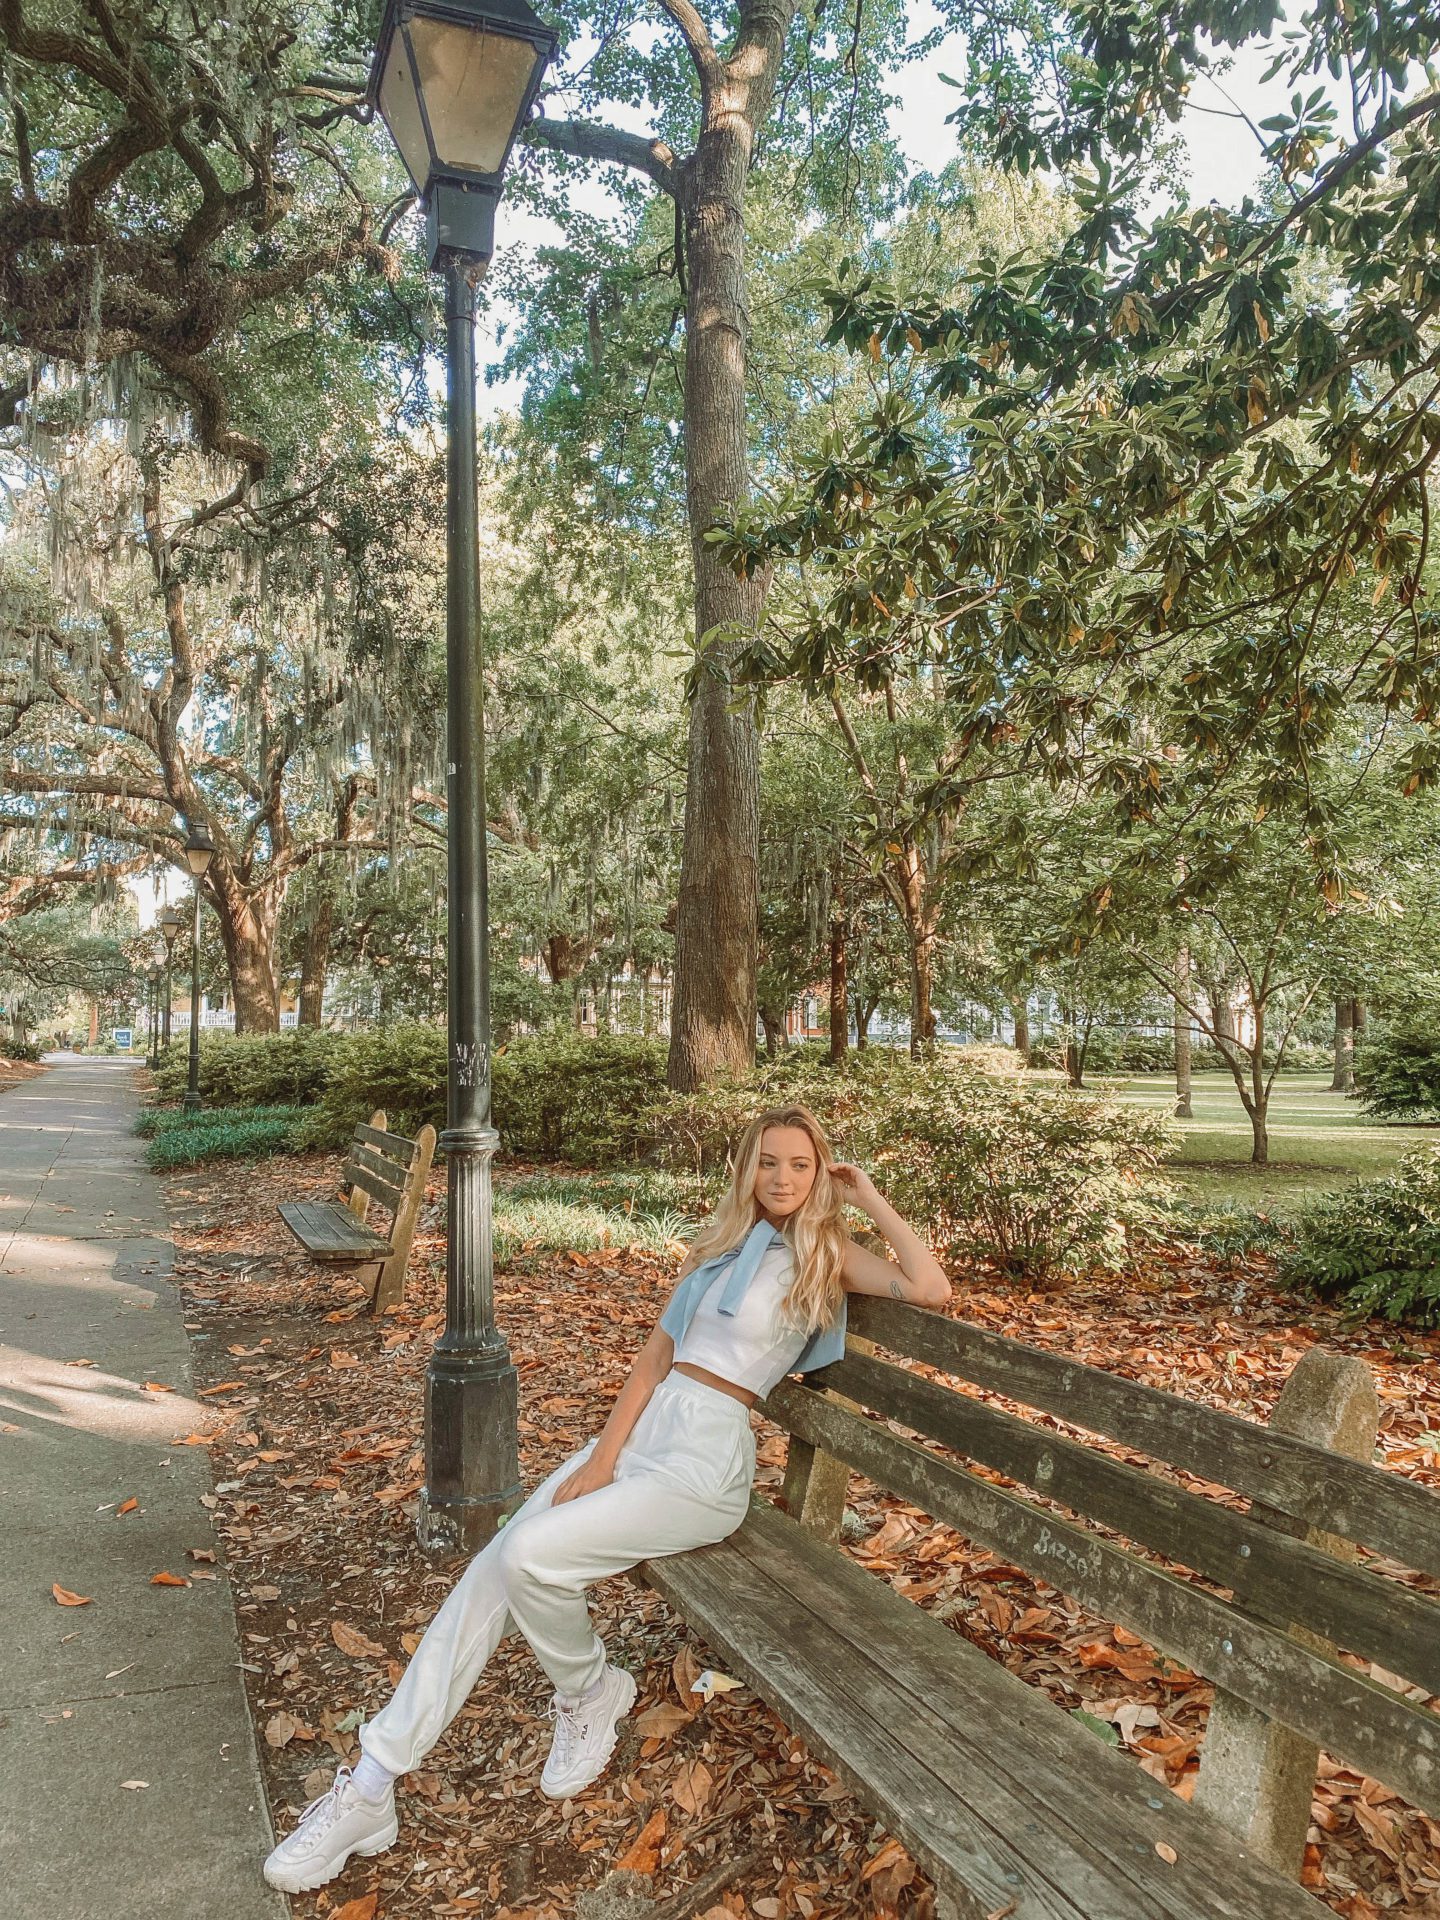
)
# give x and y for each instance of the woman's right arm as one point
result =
(650, 1367)
(652, 1363)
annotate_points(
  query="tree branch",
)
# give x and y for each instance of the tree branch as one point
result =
(584, 140)
(696, 36)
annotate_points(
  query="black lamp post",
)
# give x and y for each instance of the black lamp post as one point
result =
(199, 852)
(171, 921)
(455, 81)
(152, 973)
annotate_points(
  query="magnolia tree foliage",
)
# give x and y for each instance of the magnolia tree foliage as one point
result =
(1151, 500)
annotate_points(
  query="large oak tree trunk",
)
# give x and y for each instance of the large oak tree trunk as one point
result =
(247, 931)
(716, 927)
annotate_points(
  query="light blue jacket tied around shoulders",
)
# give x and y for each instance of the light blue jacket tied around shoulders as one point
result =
(825, 1345)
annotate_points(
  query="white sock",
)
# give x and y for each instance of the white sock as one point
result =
(591, 1693)
(370, 1780)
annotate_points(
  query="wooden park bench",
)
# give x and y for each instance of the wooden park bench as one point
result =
(381, 1166)
(1013, 1806)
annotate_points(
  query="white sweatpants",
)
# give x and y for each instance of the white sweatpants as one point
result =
(682, 1480)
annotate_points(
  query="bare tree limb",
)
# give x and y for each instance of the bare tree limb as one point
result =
(584, 140)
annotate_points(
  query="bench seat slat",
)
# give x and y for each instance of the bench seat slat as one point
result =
(979, 1774)
(1363, 1503)
(330, 1231)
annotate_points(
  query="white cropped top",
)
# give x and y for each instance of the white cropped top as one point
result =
(755, 1346)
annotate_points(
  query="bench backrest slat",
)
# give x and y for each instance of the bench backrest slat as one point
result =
(390, 1146)
(1285, 1580)
(1363, 1503)
(380, 1178)
(1342, 1710)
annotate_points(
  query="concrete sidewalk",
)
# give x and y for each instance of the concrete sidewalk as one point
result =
(144, 1683)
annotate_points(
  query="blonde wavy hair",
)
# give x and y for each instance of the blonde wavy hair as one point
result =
(815, 1233)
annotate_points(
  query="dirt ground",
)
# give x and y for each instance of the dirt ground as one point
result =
(316, 1440)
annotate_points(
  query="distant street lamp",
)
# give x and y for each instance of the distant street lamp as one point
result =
(153, 974)
(455, 81)
(199, 852)
(171, 921)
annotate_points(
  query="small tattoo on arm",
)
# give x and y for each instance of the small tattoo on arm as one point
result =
(897, 1292)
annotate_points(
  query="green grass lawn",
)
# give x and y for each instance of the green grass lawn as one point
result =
(1318, 1140)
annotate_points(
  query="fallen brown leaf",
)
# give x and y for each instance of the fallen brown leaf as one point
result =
(362, 1908)
(643, 1853)
(68, 1599)
(126, 1506)
(350, 1641)
(168, 1580)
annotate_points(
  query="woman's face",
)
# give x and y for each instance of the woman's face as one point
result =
(786, 1172)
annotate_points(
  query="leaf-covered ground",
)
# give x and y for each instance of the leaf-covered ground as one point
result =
(316, 1440)
(13, 1072)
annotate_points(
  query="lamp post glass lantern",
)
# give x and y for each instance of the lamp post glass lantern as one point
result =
(454, 81)
(199, 852)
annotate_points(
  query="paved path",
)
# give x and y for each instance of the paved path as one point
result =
(143, 1684)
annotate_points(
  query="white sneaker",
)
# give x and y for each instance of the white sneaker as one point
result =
(585, 1736)
(331, 1828)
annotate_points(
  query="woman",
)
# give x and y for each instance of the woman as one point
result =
(761, 1294)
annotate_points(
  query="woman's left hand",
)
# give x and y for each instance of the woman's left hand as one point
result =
(857, 1189)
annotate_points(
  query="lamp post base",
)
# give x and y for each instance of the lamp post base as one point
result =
(472, 1464)
(191, 1102)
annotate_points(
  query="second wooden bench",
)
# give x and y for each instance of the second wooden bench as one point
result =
(380, 1166)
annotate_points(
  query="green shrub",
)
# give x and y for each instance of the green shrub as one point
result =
(238, 1133)
(1397, 1072)
(1147, 1053)
(252, 1069)
(27, 1050)
(562, 1097)
(399, 1068)
(1376, 1243)
(554, 1096)
(1039, 1179)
